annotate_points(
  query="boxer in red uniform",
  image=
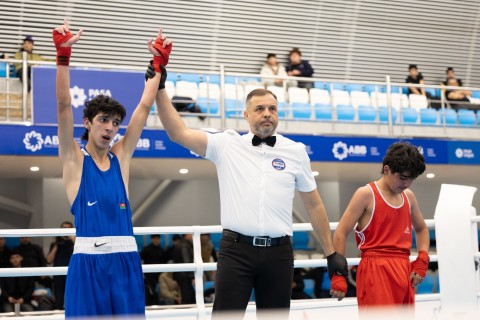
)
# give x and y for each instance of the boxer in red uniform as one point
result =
(383, 214)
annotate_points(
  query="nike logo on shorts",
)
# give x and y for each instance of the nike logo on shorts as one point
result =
(91, 203)
(96, 245)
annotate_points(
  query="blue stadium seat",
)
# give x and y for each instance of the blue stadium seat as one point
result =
(212, 78)
(3, 69)
(282, 110)
(190, 77)
(369, 88)
(301, 240)
(397, 89)
(409, 115)
(450, 117)
(301, 110)
(476, 94)
(433, 92)
(326, 283)
(367, 114)
(383, 114)
(233, 108)
(12, 242)
(309, 287)
(355, 87)
(322, 85)
(345, 113)
(208, 105)
(215, 238)
(427, 285)
(382, 89)
(323, 112)
(466, 117)
(339, 86)
(428, 116)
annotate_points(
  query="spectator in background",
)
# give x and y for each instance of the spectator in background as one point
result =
(59, 255)
(298, 285)
(17, 290)
(415, 77)
(183, 253)
(4, 253)
(170, 292)
(450, 74)
(153, 254)
(28, 45)
(272, 68)
(176, 241)
(299, 68)
(208, 254)
(32, 254)
(457, 97)
(3, 55)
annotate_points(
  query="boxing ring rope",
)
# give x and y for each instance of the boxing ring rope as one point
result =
(198, 267)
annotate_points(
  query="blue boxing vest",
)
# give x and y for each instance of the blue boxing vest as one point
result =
(101, 207)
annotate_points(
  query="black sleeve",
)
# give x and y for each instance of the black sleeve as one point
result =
(307, 69)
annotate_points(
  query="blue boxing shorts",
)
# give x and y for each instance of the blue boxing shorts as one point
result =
(105, 278)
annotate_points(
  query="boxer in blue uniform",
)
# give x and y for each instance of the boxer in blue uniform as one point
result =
(105, 272)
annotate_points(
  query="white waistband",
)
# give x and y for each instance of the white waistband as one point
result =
(103, 245)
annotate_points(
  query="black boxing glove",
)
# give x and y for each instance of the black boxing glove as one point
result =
(150, 73)
(337, 264)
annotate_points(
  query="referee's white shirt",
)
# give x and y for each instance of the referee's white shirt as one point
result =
(257, 184)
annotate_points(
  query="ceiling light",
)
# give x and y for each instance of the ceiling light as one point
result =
(430, 175)
(183, 171)
(34, 169)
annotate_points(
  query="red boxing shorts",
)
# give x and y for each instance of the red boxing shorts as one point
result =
(383, 280)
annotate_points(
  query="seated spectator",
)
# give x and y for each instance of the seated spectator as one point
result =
(176, 241)
(33, 257)
(32, 254)
(208, 254)
(3, 55)
(4, 254)
(415, 77)
(298, 285)
(170, 292)
(457, 94)
(272, 68)
(183, 253)
(59, 255)
(450, 74)
(152, 254)
(28, 45)
(17, 290)
(299, 68)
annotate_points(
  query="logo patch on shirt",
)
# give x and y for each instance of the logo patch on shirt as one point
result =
(91, 203)
(123, 206)
(407, 230)
(278, 164)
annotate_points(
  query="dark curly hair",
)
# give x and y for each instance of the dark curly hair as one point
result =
(403, 157)
(102, 104)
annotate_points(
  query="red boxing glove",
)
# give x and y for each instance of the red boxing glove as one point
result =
(63, 53)
(162, 59)
(339, 283)
(420, 265)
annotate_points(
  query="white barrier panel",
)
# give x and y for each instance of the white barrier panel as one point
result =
(453, 217)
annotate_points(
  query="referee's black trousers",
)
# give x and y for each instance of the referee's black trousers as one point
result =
(242, 267)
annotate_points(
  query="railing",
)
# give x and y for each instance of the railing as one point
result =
(198, 266)
(222, 74)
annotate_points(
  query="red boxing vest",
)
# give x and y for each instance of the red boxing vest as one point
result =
(389, 230)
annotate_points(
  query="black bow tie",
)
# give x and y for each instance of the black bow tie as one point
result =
(256, 140)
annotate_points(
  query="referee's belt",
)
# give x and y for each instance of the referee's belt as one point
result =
(256, 241)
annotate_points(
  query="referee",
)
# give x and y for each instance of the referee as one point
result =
(258, 173)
